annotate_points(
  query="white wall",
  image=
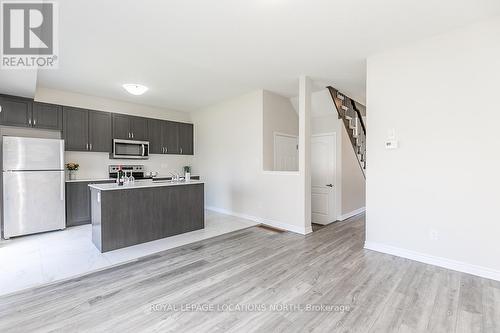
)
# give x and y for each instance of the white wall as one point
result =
(95, 165)
(441, 97)
(353, 181)
(280, 117)
(229, 159)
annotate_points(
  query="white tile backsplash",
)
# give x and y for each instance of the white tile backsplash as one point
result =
(95, 165)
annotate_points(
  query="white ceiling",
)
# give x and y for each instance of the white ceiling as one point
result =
(192, 53)
(18, 82)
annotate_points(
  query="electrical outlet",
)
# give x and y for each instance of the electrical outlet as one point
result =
(433, 235)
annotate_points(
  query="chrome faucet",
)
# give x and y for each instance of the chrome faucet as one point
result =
(175, 176)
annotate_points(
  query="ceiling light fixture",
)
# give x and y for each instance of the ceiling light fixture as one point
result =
(135, 89)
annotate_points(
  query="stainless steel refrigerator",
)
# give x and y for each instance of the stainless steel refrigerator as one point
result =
(33, 185)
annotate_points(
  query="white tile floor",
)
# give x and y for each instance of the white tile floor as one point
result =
(44, 258)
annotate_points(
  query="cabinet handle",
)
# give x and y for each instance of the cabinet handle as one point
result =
(87, 146)
(163, 150)
(132, 135)
(29, 121)
(90, 147)
(166, 150)
(34, 122)
(0, 108)
(129, 135)
(181, 150)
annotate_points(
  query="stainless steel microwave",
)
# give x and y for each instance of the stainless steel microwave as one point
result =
(130, 149)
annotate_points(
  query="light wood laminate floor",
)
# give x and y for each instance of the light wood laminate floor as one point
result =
(259, 268)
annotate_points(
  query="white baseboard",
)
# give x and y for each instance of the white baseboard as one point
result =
(272, 223)
(436, 261)
(288, 227)
(228, 212)
(351, 214)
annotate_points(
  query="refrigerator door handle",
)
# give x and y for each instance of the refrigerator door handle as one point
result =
(61, 154)
(62, 186)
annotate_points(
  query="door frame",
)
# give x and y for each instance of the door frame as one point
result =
(275, 134)
(338, 172)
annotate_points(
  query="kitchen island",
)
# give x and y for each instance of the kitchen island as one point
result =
(143, 211)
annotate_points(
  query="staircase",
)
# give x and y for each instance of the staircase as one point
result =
(354, 124)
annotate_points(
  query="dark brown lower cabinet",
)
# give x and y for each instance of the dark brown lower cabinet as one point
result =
(78, 202)
(125, 217)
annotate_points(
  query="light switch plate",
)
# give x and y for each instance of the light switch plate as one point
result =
(391, 144)
(391, 134)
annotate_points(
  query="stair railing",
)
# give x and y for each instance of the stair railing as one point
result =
(354, 124)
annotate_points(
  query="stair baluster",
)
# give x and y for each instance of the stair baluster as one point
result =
(354, 124)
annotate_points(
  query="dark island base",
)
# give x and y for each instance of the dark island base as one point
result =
(122, 218)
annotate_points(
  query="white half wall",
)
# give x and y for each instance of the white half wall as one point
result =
(432, 199)
(229, 159)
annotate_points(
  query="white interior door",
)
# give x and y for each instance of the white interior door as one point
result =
(323, 171)
(286, 153)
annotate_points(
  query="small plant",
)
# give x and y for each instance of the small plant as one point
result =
(72, 166)
(187, 169)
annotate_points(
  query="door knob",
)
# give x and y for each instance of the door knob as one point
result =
(329, 185)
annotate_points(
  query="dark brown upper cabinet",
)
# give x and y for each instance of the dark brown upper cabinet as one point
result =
(186, 139)
(139, 128)
(129, 127)
(155, 137)
(85, 130)
(170, 135)
(48, 116)
(89, 130)
(121, 126)
(23, 112)
(163, 136)
(100, 139)
(75, 129)
(15, 111)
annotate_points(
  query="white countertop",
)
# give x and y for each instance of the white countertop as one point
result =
(114, 179)
(90, 180)
(141, 184)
